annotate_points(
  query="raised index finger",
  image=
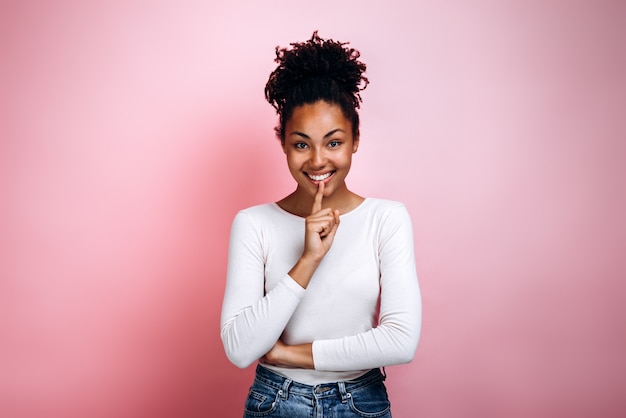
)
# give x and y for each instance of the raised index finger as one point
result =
(317, 201)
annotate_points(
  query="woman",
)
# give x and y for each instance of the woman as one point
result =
(321, 287)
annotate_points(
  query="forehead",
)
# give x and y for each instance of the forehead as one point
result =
(319, 117)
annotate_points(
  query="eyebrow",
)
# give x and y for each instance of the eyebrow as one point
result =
(303, 135)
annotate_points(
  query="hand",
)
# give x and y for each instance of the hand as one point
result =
(321, 227)
(283, 355)
(273, 356)
(319, 233)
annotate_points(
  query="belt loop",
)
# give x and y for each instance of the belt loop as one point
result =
(384, 374)
(284, 391)
(344, 394)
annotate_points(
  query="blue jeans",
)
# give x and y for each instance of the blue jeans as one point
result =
(274, 396)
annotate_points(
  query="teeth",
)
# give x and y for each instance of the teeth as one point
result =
(320, 177)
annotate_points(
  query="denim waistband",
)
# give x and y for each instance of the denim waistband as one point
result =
(287, 385)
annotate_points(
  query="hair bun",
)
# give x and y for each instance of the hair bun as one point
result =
(311, 61)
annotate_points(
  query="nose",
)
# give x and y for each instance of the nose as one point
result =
(318, 158)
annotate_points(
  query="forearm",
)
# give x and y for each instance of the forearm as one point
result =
(378, 347)
(393, 341)
(296, 356)
(248, 333)
(251, 327)
(303, 270)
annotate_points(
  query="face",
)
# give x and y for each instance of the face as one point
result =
(319, 145)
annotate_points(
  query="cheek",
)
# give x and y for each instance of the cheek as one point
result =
(293, 163)
(347, 159)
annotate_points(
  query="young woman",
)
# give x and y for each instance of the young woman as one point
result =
(321, 287)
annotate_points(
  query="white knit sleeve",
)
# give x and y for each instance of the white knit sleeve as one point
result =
(251, 320)
(395, 339)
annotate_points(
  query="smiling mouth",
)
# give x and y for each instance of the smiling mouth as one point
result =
(320, 177)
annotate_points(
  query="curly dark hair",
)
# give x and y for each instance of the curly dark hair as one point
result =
(316, 70)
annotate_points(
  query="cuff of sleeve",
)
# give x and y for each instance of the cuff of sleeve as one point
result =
(318, 356)
(293, 286)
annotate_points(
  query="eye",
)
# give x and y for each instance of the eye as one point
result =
(334, 144)
(300, 145)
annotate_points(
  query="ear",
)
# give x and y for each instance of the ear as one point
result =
(355, 144)
(282, 146)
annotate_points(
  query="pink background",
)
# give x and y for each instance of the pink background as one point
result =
(132, 131)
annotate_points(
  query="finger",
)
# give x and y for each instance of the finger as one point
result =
(322, 228)
(317, 201)
(323, 215)
(322, 218)
(335, 223)
(333, 230)
(327, 223)
(331, 235)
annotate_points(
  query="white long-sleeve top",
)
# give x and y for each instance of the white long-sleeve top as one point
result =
(361, 309)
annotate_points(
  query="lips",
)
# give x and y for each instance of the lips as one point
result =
(320, 177)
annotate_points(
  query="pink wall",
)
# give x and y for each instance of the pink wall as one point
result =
(130, 133)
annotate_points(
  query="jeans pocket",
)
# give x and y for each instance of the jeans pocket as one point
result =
(261, 400)
(370, 401)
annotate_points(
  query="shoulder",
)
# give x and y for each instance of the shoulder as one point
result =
(392, 222)
(254, 216)
(384, 204)
(265, 209)
(386, 215)
(267, 215)
(384, 207)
